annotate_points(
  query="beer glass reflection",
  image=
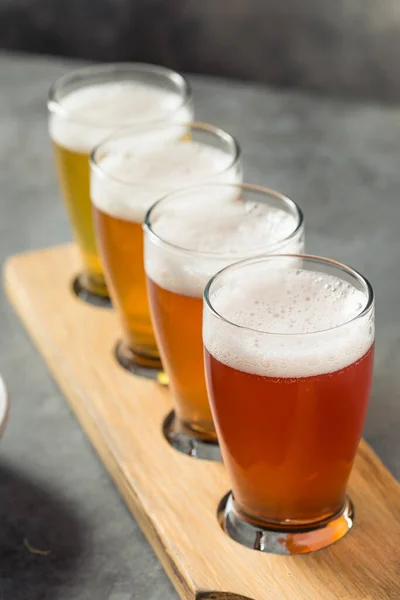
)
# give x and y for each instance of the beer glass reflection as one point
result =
(85, 106)
(189, 236)
(289, 359)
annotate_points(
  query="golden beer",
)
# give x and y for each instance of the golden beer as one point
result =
(121, 244)
(85, 107)
(73, 174)
(130, 171)
(190, 235)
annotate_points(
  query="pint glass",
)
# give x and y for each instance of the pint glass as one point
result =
(289, 359)
(130, 171)
(189, 236)
(85, 106)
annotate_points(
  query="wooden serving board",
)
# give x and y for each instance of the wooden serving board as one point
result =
(174, 497)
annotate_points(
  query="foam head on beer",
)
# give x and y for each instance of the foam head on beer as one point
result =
(137, 170)
(221, 225)
(293, 322)
(89, 114)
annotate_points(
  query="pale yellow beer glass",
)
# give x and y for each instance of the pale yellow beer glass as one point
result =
(85, 106)
(130, 171)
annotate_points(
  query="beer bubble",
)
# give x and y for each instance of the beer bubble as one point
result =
(138, 180)
(91, 113)
(231, 234)
(324, 306)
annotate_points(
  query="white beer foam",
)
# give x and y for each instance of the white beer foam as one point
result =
(92, 113)
(142, 169)
(218, 222)
(304, 310)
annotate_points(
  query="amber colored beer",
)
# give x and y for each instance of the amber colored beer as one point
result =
(131, 171)
(85, 107)
(190, 235)
(289, 443)
(177, 321)
(122, 250)
(289, 361)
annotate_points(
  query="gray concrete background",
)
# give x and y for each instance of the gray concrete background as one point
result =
(339, 161)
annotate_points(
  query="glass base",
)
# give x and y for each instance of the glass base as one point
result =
(83, 291)
(285, 539)
(150, 368)
(185, 440)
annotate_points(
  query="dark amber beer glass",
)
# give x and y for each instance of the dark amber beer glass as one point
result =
(289, 359)
(189, 236)
(131, 170)
(85, 107)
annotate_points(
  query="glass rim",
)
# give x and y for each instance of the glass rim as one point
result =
(55, 106)
(196, 125)
(307, 257)
(155, 237)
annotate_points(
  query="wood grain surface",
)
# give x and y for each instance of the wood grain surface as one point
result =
(173, 497)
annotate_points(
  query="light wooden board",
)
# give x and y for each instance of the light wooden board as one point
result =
(174, 497)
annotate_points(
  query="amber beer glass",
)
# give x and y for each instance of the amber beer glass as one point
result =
(289, 359)
(130, 171)
(189, 236)
(85, 106)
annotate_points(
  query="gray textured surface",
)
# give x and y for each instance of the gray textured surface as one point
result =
(339, 161)
(344, 46)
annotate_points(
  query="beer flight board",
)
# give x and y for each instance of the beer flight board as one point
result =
(173, 497)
